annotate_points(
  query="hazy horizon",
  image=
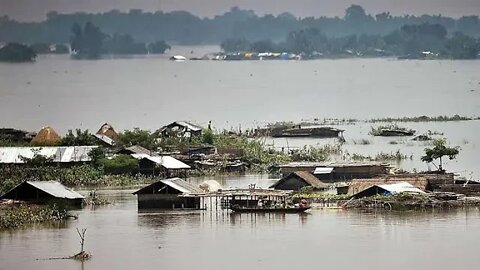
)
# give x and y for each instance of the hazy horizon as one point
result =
(36, 10)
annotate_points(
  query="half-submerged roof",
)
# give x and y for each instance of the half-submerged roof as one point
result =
(175, 183)
(389, 189)
(357, 185)
(307, 177)
(167, 162)
(54, 188)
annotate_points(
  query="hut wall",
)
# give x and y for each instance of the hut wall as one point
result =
(167, 201)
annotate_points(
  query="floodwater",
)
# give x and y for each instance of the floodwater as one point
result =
(151, 91)
(148, 92)
(119, 237)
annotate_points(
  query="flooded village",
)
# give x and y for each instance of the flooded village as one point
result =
(250, 134)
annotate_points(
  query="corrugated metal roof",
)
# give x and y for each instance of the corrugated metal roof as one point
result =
(188, 125)
(58, 153)
(167, 162)
(104, 138)
(56, 189)
(323, 170)
(182, 185)
(401, 187)
(175, 183)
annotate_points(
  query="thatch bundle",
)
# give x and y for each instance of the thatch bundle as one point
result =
(46, 136)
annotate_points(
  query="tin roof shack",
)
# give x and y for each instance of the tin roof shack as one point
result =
(44, 192)
(388, 189)
(340, 172)
(298, 180)
(358, 185)
(160, 165)
(65, 155)
(181, 129)
(169, 193)
(16, 135)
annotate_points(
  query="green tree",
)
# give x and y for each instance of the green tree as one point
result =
(79, 138)
(120, 164)
(208, 136)
(236, 45)
(440, 150)
(14, 52)
(158, 47)
(87, 43)
(138, 136)
(461, 46)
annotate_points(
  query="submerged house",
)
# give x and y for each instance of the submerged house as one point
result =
(334, 172)
(299, 180)
(358, 185)
(160, 165)
(181, 129)
(169, 193)
(388, 189)
(44, 192)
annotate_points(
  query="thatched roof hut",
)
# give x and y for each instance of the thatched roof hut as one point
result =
(46, 136)
(357, 185)
(299, 180)
(107, 130)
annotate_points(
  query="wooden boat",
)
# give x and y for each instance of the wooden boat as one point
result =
(269, 210)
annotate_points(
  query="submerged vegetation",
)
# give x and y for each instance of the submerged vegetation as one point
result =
(22, 215)
(389, 130)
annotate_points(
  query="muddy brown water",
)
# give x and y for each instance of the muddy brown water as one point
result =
(119, 237)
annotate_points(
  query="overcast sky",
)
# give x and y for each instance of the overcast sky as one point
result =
(35, 10)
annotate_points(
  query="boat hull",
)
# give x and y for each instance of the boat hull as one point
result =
(269, 210)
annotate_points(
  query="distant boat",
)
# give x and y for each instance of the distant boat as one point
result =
(240, 209)
(319, 132)
(178, 58)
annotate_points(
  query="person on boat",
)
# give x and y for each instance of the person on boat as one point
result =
(260, 204)
(303, 203)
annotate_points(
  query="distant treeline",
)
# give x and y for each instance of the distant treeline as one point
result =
(420, 41)
(181, 27)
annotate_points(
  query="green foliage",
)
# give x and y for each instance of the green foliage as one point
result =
(14, 52)
(37, 159)
(236, 45)
(208, 136)
(137, 136)
(379, 130)
(79, 138)
(87, 42)
(439, 150)
(322, 153)
(22, 215)
(461, 46)
(158, 47)
(124, 44)
(120, 164)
